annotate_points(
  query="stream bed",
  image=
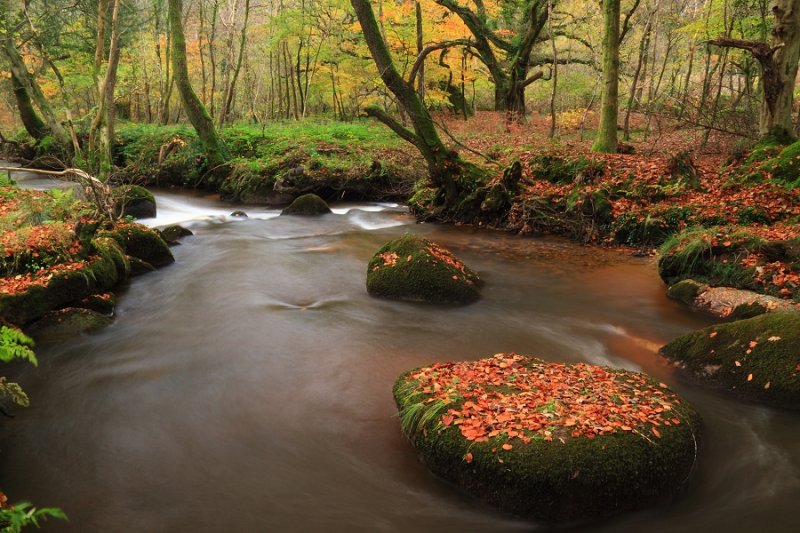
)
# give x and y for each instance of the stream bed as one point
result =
(247, 387)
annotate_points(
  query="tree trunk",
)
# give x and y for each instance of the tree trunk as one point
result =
(779, 80)
(100, 141)
(606, 140)
(33, 124)
(227, 101)
(215, 149)
(444, 166)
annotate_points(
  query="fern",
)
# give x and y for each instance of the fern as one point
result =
(16, 345)
(14, 517)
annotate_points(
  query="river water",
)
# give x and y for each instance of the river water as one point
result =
(247, 387)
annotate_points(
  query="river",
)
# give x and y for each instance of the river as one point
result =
(247, 387)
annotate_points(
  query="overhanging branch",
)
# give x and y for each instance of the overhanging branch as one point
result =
(404, 133)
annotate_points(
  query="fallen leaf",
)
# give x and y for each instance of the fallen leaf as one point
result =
(468, 457)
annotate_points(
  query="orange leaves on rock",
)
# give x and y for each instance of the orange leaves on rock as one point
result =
(511, 397)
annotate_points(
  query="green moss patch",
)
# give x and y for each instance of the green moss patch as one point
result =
(556, 442)
(757, 359)
(134, 201)
(416, 269)
(308, 205)
(142, 243)
(66, 323)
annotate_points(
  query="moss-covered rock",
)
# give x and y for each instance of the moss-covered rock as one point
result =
(685, 291)
(134, 201)
(556, 442)
(173, 234)
(66, 323)
(416, 269)
(142, 243)
(757, 359)
(59, 288)
(308, 205)
(102, 303)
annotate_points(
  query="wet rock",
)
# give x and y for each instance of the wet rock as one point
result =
(686, 291)
(142, 243)
(756, 359)
(173, 234)
(66, 323)
(416, 269)
(537, 439)
(134, 201)
(239, 213)
(307, 205)
(103, 303)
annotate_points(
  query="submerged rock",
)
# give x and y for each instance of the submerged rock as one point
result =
(66, 323)
(416, 269)
(134, 201)
(555, 442)
(757, 358)
(727, 302)
(307, 205)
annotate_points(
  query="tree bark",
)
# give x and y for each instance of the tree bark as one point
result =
(216, 151)
(606, 140)
(444, 166)
(33, 124)
(778, 66)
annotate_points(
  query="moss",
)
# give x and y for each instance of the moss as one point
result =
(134, 201)
(173, 234)
(711, 255)
(562, 170)
(142, 243)
(415, 269)
(307, 205)
(568, 479)
(21, 308)
(100, 303)
(66, 323)
(686, 291)
(757, 358)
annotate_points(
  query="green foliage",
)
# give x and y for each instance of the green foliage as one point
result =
(15, 517)
(15, 345)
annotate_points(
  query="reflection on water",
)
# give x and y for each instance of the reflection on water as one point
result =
(248, 386)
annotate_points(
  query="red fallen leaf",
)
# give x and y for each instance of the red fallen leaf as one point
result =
(766, 386)
(570, 422)
(507, 446)
(455, 277)
(468, 457)
(753, 344)
(749, 377)
(655, 432)
(713, 334)
(447, 420)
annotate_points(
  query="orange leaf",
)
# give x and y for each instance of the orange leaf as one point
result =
(507, 446)
(468, 457)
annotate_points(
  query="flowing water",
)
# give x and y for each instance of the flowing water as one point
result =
(247, 387)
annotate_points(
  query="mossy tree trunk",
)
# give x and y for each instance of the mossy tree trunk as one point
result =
(444, 166)
(778, 66)
(507, 59)
(33, 124)
(101, 130)
(10, 16)
(606, 140)
(216, 151)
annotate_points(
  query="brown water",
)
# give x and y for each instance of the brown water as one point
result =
(248, 386)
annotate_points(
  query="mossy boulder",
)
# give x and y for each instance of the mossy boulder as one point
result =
(685, 291)
(103, 303)
(416, 269)
(757, 359)
(59, 288)
(66, 323)
(173, 234)
(142, 243)
(551, 441)
(308, 205)
(134, 201)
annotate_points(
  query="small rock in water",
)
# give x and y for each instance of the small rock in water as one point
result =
(239, 213)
